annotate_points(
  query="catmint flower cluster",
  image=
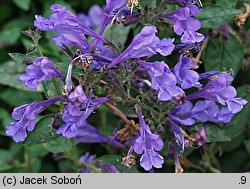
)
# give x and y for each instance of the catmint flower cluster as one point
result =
(140, 66)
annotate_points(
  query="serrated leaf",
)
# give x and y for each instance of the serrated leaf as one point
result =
(60, 144)
(23, 4)
(116, 160)
(223, 55)
(214, 15)
(43, 132)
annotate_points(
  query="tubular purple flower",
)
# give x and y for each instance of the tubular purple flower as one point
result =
(206, 110)
(180, 141)
(201, 137)
(165, 47)
(94, 18)
(25, 117)
(109, 168)
(77, 111)
(144, 44)
(42, 69)
(147, 144)
(162, 79)
(225, 115)
(219, 91)
(183, 114)
(71, 30)
(86, 159)
(186, 77)
(89, 134)
(185, 25)
(112, 6)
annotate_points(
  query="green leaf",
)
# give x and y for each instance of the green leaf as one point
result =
(119, 30)
(5, 117)
(214, 15)
(150, 3)
(215, 133)
(49, 88)
(21, 97)
(223, 55)
(116, 160)
(11, 32)
(35, 154)
(20, 58)
(6, 161)
(23, 4)
(226, 3)
(247, 145)
(60, 144)
(43, 132)
(9, 72)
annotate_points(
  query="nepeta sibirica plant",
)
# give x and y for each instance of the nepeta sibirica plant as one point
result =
(152, 82)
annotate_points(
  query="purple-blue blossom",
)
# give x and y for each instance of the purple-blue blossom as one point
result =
(86, 159)
(87, 133)
(147, 144)
(185, 25)
(112, 6)
(201, 137)
(107, 167)
(94, 18)
(186, 77)
(42, 69)
(219, 91)
(25, 117)
(162, 79)
(183, 114)
(77, 111)
(143, 45)
(71, 31)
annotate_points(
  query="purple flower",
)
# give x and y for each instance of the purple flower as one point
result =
(94, 18)
(109, 168)
(146, 144)
(206, 110)
(25, 117)
(162, 79)
(144, 44)
(165, 47)
(185, 24)
(186, 77)
(183, 114)
(86, 159)
(224, 115)
(180, 141)
(71, 30)
(42, 69)
(89, 134)
(77, 111)
(201, 137)
(219, 91)
(112, 6)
